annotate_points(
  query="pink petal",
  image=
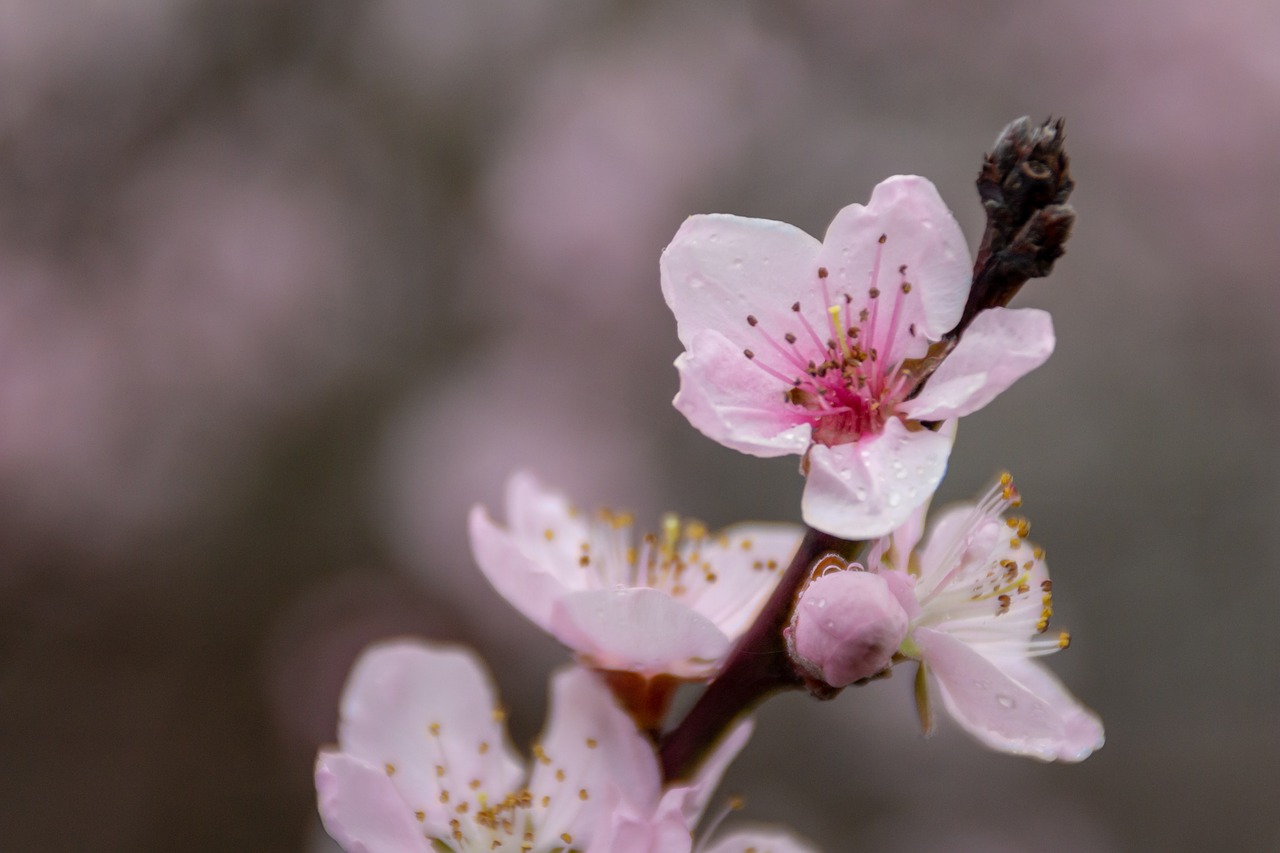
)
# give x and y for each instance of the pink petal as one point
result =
(747, 560)
(1084, 732)
(958, 535)
(395, 695)
(589, 744)
(629, 830)
(998, 710)
(866, 489)
(529, 585)
(720, 269)
(693, 798)
(729, 398)
(921, 234)
(639, 629)
(903, 588)
(1000, 346)
(362, 809)
(667, 828)
(760, 841)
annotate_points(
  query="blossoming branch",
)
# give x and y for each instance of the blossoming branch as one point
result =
(859, 353)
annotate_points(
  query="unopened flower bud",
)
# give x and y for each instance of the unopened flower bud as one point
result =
(846, 627)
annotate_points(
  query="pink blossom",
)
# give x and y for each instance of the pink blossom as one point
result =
(424, 763)
(799, 346)
(672, 604)
(980, 602)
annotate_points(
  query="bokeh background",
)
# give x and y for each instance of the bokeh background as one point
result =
(285, 287)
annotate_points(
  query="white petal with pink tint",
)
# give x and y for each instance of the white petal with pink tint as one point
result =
(865, 490)
(639, 629)
(984, 606)
(671, 604)
(719, 269)
(423, 761)
(589, 743)
(1082, 728)
(404, 702)
(799, 347)
(362, 809)
(666, 825)
(990, 705)
(736, 407)
(920, 234)
(1000, 346)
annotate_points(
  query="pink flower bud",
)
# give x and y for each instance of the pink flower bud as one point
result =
(846, 627)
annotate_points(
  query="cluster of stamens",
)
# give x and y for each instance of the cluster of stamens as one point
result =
(845, 381)
(482, 822)
(1002, 576)
(662, 561)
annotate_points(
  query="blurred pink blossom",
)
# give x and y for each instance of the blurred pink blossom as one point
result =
(671, 604)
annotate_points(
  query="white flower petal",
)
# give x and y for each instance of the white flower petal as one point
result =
(731, 399)
(866, 489)
(1083, 728)
(531, 586)
(747, 560)
(920, 234)
(988, 703)
(639, 629)
(589, 743)
(1000, 346)
(720, 269)
(410, 707)
(362, 809)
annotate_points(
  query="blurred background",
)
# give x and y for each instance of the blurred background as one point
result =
(286, 287)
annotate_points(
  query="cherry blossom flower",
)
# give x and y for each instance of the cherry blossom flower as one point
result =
(424, 764)
(673, 604)
(798, 346)
(980, 602)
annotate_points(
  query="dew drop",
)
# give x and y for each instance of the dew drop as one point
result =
(860, 495)
(831, 624)
(901, 474)
(982, 685)
(822, 602)
(1006, 702)
(894, 499)
(846, 474)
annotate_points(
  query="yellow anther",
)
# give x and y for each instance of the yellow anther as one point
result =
(670, 533)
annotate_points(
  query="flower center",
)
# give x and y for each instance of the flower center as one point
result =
(845, 380)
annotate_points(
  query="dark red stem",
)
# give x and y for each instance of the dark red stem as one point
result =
(759, 666)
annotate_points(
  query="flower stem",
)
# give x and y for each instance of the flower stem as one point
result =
(758, 666)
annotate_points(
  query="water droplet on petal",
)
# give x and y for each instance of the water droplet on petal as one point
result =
(901, 474)
(846, 474)
(894, 499)
(860, 495)
(822, 602)
(1005, 701)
